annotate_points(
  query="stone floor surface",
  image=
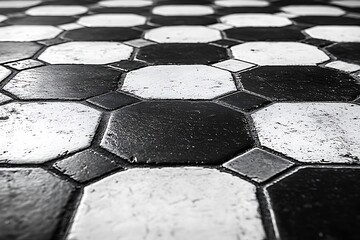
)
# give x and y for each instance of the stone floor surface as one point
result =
(179, 120)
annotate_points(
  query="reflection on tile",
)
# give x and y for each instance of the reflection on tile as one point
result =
(300, 83)
(50, 82)
(255, 20)
(112, 100)
(258, 165)
(323, 200)
(178, 82)
(182, 53)
(14, 51)
(86, 53)
(86, 165)
(311, 132)
(38, 132)
(335, 33)
(244, 101)
(169, 203)
(32, 202)
(28, 33)
(177, 132)
(57, 10)
(112, 20)
(182, 10)
(279, 53)
(183, 34)
(25, 64)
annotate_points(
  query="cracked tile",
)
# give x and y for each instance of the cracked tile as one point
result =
(311, 132)
(178, 82)
(38, 200)
(38, 132)
(86, 53)
(169, 203)
(176, 132)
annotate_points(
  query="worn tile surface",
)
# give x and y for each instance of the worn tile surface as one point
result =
(179, 119)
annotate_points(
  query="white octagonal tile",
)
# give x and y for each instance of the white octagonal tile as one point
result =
(347, 3)
(86, 53)
(311, 132)
(182, 10)
(19, 4)
(28, 33)
(125, 3)
(57, 10)
(244, 3)
(179, 82)
(279, 53)
(335, 33)
(38, 132)
(255, 20)
(112, 20)
(168, 204)
(313, 10)
(183, 34)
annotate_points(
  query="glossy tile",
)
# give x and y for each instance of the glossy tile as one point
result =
(279, 53)
(169, 203)
(329, 197)
(86, 53)
(176, 132)
(49, 82)
(178, 82)
(38, 200)
(41, 131)
(182, 53)
(297, 83)
(311, 132)
(258, 165)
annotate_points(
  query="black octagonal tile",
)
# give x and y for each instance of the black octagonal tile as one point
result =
(265, 33)
(300, 83)
(13, 51)
(177, 132)
(41, 20)
(348, 52)
(180, 20)
(63, 82)
(318, 203)
(182, 53)
(327, 20)
(102, 34)
(31, 202)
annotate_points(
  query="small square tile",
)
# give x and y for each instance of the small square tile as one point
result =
(244, 101)
(220, 26)
(233, 65)
(50, 42)
(86, 165)
(126, 65)
(112, 100)
(224, 43)
(138, 43)
(25, 64)
(258, 164)
(70, 26)
(343, 66)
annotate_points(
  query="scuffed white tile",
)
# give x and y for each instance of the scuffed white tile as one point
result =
(28, 33)
(4, 72)
(182, 10)
(112, 20)
(311, 132)
(139, 43)
(4, 98)
(57, 10)
(255, 20)
(343, 66)
(335, 33)
(313, 10)
(244, 3)
(220, 26)
(279, 53)
(168, 204)
(183, 34)
(38, 132)
(25, 64)
(86, 53)
(70, 26)
(125, 3)
(18, 4)
(349, 3)
(233, 65)
(2, 18)
(178, 82)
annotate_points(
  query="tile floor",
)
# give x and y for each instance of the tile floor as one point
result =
(179, 119)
